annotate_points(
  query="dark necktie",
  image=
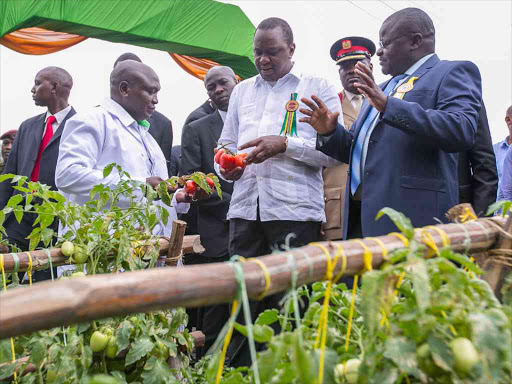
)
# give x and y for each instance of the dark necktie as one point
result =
(48, 134)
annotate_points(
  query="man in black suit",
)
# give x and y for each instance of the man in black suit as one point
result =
(205, 109)
(199, 138)
(35, 150)
(160, 127)
(478, 175)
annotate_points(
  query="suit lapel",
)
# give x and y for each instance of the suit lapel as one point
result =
(216, 125)
(426, 66)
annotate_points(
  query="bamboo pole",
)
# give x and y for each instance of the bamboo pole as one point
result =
(100, 296)
(190, 244)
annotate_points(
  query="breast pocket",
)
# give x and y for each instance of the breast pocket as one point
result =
(247, 115)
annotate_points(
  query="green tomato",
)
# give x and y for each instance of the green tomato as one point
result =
(423, 351)
(134, 320)
(80, 255)
(98, 341)
(67, 248)
(78, 274)
(349, 370)
(51, 375)
(103, 379)
(466, 356)
(111, 350)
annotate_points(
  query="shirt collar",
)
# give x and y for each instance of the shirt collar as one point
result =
(505, 142)
(295, 72)
(59, 116)
(222, 115)
(116, 109)
(418, 64)
(350, 95)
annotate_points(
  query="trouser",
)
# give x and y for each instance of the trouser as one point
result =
(211, 318)
(16, 235)
(250, 238)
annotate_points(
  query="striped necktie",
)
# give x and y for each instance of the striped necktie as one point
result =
(357, 152)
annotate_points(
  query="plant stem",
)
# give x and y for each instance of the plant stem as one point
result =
(104, 362)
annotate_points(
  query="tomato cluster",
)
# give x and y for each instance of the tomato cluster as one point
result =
(229, 161)
(191, 185)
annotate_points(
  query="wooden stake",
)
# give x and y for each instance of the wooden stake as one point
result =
(50, 304)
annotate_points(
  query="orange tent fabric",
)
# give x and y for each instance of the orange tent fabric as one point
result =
(39, 41)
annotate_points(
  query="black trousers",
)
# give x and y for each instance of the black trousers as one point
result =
(208, 319)
(249, 238)
(16, 235)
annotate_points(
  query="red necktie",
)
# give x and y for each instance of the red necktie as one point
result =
(46, 139)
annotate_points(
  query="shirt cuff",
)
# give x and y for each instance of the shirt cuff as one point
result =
(295, 147)
(321, 140)
(180, 207)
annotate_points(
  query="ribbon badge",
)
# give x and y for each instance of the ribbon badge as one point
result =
(404, 88)
(290, 118)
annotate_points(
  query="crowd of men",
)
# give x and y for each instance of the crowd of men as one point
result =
(320, 163)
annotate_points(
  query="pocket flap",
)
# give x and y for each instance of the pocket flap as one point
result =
(332, 193)
(428, 183)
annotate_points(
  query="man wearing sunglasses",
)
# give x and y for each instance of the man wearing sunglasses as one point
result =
(402, 149)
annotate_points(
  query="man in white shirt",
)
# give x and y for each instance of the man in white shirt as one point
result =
(35, 150)
(280, 191)
(116, 131)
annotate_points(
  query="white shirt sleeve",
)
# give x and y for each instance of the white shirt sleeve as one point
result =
(304, 150)
(80, 148)
(230, 130)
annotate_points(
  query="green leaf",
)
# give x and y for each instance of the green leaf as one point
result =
(403, 353)
(14, 200)
(108, 169)
(419, 276)
(156, 371)
(163, 193)
(399, 219)
(502, 205)
(138, 350)
(303, 362)
(6, 176)
(7, 370)
(38, 353)
(262, 333)
(123, 335)
(371, 301)
(267, 317)
(441, 353)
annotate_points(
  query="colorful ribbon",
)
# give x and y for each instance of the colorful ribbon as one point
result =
(290, 118)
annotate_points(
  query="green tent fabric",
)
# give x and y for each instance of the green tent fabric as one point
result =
(200, 28)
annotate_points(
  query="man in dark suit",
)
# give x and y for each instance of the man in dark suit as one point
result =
(160, 127)
(205, 109)
(199, 138)
(35, 150)
(478, 175)
(402, 149)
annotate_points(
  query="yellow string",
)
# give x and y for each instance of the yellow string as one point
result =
(29, 269)
(267, 277)
(367, 255)
(227, 340)
(351, 313)
(450, 326)
(429, 242)
(13, 353)
(467, 216)
(382, 246)
(404, 239)
(324, 315)
(444, 236)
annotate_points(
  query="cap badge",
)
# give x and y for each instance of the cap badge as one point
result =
(346, 44)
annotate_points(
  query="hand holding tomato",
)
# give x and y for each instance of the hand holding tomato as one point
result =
(231, 166)
(266, 147)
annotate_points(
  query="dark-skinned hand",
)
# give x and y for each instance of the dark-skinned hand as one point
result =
(183, 197)
(155, 180)
(319, 117)
(232, 175)
(369, 88)
(266, 147)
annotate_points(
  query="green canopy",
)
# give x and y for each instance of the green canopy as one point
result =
(204, 29)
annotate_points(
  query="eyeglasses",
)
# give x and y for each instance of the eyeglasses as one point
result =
(383, 45)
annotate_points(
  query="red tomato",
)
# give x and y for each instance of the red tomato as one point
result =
(219, 154)
(190, 187)
(239, 160)
(210, 182)
(227, 161)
